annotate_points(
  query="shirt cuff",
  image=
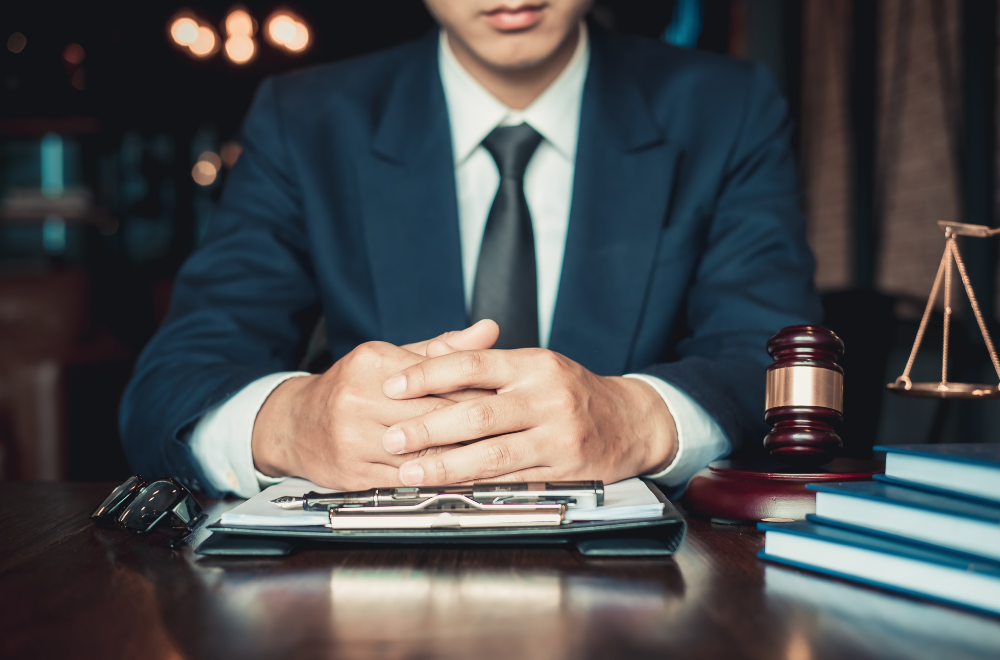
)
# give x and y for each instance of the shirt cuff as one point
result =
(700, 439)
(221, 439)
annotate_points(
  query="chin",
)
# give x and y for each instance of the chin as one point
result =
(517, 52)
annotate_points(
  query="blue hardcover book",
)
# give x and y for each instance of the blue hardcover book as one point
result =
(967, 469)
(948, 522)
(896, 565)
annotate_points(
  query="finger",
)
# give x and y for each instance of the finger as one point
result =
(466, 395)
(491, 370)
(479, 336)
(532, 474)
(365, 475)
(388, 412)
(475, 462)
(438, 347)
(469, 420)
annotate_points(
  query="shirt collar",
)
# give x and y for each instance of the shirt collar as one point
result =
(473, 112)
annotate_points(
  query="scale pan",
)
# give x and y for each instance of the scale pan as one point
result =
(949, 391)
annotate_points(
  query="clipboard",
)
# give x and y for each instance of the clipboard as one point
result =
(657, 536)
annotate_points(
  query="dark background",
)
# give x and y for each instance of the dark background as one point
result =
(76, 307)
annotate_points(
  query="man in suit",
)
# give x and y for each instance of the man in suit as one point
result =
(615, 217)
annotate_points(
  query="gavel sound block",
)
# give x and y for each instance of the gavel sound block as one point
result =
(804, 405)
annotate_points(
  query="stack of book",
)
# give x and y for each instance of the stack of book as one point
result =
(930, 526)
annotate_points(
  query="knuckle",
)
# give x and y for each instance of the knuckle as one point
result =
(481, 417)
(368, 355)
(419, 433)
(473, 363)
(417, 377)
(565, 402)
(549, 360)
(497, 457)
(441, 472)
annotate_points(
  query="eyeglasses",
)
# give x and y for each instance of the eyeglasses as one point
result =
(140, 506)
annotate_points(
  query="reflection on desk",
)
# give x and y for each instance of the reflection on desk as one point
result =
(910, 628)
(70, 589)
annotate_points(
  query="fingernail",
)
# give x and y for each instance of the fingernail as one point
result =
(411, 474)
(395, 386)
(394, 441)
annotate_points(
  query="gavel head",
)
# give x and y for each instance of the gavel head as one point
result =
(805, 395)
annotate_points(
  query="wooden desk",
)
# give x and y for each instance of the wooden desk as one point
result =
(68, 589)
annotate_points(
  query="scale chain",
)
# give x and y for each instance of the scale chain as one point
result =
(923, 321)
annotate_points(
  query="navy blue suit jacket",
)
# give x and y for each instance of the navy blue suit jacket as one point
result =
(686, 248)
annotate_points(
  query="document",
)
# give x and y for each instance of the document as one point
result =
(630, 499)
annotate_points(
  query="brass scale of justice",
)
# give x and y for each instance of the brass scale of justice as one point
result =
(945, 389)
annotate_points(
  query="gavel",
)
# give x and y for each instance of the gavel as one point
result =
(805, 395)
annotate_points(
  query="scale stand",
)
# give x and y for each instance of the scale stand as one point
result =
(945, 390)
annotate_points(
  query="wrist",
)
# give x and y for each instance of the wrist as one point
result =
(273, 435)
(652, 426)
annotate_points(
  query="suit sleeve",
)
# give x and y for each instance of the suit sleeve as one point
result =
(755, 275)
(240, 302)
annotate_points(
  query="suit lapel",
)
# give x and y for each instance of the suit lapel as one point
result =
(621, 193)
(410, 207)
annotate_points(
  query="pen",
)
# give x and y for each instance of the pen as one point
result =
(575, 494)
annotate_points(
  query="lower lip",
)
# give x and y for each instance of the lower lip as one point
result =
(516, 20)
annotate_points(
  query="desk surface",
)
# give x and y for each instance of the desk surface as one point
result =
(68, 589)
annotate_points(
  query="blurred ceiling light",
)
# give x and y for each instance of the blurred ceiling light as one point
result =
(74, 53)
(197, 36)
(212, 158)
(230, 152)
(288, 31)
(204, 44)
(204, 173)
(184, 31)
(16, 42)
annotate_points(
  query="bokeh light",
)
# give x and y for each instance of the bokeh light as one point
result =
(240, 27)
(287, 31)
(74, 53)
(240, 49)
(16, 42)
(230, 152)
(79, 79)
(239, 24)
(204, 173)
(195, 35)
(184, 31)
(204, 44)
(211, 157)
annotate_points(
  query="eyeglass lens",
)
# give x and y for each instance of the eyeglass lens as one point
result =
(117, 497)
(153, 502)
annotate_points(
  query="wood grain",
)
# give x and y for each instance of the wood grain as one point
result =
(71, 590)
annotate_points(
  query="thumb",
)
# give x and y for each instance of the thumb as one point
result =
(438, 347)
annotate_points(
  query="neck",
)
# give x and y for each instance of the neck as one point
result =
(515, 88)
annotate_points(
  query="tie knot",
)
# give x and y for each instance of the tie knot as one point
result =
(512, 148)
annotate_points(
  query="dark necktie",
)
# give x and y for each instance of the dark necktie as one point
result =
(506, 288)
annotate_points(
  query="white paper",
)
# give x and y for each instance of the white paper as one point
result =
(630, 499)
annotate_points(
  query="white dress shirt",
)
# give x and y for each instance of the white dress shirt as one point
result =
(221, 439)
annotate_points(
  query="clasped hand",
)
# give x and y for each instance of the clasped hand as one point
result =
(452, 410)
